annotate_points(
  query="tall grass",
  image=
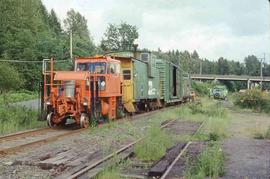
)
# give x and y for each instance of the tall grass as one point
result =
(13, 97)
(154, 145)
(209, 163)
(214, 115)
(14, 119)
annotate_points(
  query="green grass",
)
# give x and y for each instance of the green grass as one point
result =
(209, 163)
(109, 173)
(214, 115)
(262, 135)
(13, 97)
(13, 119)
(154, 145)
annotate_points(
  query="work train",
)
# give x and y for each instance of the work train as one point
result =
(104, 87)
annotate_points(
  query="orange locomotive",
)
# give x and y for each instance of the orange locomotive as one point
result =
(92, 91)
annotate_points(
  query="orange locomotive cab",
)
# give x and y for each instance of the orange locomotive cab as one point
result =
(91, 91)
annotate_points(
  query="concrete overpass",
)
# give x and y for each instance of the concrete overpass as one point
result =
(248, 79)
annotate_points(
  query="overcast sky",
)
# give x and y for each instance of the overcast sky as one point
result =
(228, 28)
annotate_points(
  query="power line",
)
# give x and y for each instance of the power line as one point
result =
(29, 61)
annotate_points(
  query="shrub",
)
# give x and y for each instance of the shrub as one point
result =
(253, 99)
(201, 88)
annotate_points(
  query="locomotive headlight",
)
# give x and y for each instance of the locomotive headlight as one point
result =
(48, 103)
(103, 83)
(85, 103)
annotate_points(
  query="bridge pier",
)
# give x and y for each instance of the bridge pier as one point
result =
(248, 84)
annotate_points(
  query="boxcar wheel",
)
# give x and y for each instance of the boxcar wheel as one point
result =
(84, 121)
(49, 120)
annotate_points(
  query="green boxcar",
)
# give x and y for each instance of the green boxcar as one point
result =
(186, 86)
(170, 81)
(146, 85)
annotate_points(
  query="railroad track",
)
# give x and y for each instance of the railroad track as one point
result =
(12, 143)
(182, 152)
(92, 170)
(93, 167)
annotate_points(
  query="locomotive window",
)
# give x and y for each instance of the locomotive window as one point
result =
(117, 68)
(81, 67)
(97, 67)
(126, 74)
(111, 68)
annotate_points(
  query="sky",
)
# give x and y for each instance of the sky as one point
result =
(229, 28)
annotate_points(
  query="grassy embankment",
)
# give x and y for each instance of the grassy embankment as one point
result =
(209, 162)
(16, 118)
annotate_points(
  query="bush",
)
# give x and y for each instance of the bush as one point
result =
(201, 88)
(253, 99)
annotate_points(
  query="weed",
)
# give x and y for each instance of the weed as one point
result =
(154, 145)
(209, 163)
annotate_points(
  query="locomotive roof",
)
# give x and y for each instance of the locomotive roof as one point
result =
(96, 58)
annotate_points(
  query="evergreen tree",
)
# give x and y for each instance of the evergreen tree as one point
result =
(82, 42)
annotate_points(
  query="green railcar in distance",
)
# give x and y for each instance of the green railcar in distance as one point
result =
(219, 92)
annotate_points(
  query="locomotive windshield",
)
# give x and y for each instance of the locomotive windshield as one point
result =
(94, 67)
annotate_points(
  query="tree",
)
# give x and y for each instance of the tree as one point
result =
(82, 42)
(54, 23)
(252, 65)
(9, 79)
(119, 37)
(223, 66)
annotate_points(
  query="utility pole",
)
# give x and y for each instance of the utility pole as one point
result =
(200, 67)
(71, 53)
(262, 60)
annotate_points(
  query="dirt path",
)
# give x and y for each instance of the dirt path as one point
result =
(247, 157)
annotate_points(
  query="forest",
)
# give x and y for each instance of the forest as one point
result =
(29, 33)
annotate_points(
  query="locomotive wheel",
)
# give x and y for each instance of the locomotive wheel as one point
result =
(84, 120)
(49, 120)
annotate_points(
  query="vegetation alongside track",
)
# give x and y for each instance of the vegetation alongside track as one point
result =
(18, 96)
(15, 119)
